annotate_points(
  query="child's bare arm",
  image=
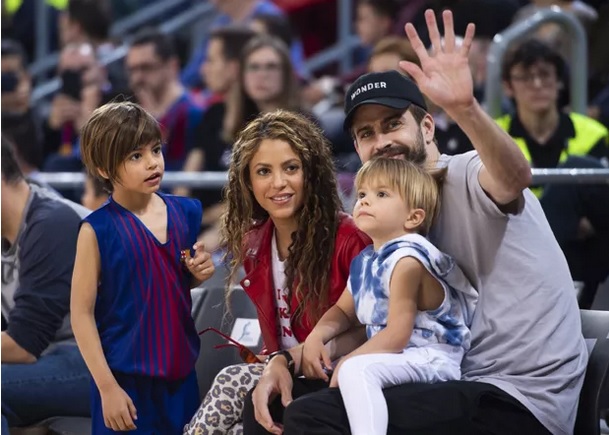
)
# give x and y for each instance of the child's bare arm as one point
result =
(338, 319)
(82, 307)
(404, 290)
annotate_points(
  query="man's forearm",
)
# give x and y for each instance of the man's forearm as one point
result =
(13, 353)
(499, 153)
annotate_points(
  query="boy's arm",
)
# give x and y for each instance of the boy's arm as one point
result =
(403, 294)
(338, 319)
(87, 268)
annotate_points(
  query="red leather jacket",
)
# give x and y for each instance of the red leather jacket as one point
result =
(258, 282)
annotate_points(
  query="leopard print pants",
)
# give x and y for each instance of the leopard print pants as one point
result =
(221, 410)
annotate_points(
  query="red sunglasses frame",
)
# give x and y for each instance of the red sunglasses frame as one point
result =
(246, 354)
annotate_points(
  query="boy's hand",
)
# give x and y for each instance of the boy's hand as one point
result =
(314, 354)
(118, 409)
(200, 265)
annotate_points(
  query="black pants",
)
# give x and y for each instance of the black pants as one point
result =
(445, 408)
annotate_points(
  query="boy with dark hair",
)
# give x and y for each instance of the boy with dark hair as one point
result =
(131, 305)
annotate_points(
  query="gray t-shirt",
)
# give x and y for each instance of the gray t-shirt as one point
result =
(37, 272)
(526, 331)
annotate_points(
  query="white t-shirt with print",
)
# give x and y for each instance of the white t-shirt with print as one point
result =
(285, 333)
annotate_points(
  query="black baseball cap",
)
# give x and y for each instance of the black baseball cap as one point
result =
(389, 88)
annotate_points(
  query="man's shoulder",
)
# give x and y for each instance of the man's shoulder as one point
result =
(50, 207)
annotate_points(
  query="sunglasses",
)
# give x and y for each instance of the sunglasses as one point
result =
(247, 355)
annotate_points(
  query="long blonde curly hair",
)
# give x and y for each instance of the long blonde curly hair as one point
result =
(310, 254)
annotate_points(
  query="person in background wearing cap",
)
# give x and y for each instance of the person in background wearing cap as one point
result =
(525, 368)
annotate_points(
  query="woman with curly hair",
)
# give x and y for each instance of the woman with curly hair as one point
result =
(284, 225)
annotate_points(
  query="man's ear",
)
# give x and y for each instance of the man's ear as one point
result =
(428, 128)
(414, 219)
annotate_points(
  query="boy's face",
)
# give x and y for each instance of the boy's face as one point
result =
(534, 89)
(380, 212)
(142, 170)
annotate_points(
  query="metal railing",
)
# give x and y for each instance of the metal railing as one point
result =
(578, 62)
(178, 22)
(346, 41)
(47, 62)
(218, 179)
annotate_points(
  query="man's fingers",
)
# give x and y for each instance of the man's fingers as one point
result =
(319, 371)
(415, 42)
(286, 393)
(326, 358)
(470, 31)
(413, 70)
(449, 32)
(434, 33)
(261, 408)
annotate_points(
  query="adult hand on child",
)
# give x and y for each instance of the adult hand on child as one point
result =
(118, 409)
(200, 265)
(314, 354)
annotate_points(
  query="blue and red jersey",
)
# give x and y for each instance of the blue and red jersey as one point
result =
(143, 307)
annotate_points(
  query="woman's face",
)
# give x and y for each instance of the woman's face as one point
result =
(277, 179)
(263, 75)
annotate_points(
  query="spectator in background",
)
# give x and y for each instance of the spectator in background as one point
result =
(19, 121)
(273, 25)
(266, 82)
(374, 21)
(153, 69)
(88, 21)
(235, 12)
(85, 86)
(578, 213)
(43, 373)
(95, 194)
(388, 52)
(220, 72)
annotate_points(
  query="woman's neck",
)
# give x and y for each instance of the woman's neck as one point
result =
(283, 235)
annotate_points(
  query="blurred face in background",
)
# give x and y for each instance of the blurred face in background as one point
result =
(263, 75)
(16, 85)
(148, 72)
(370, 26)
(218, 72)
(384, 62)
(535, 89)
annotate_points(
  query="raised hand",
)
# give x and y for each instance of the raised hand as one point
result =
(444, 76)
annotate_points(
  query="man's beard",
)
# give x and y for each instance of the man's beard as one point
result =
(416, 154)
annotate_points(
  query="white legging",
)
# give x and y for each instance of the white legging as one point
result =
(362, 378)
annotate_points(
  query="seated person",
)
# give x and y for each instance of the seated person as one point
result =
(413, 299)
(287, 162)
(153, 68)
(525, 368)
(548, 138)
(43, 373)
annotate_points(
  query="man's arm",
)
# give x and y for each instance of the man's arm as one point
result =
(445, 78)
(505, 172)
(13, 353)
(42, 300)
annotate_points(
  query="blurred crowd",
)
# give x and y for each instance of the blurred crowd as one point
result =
(253, 60)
